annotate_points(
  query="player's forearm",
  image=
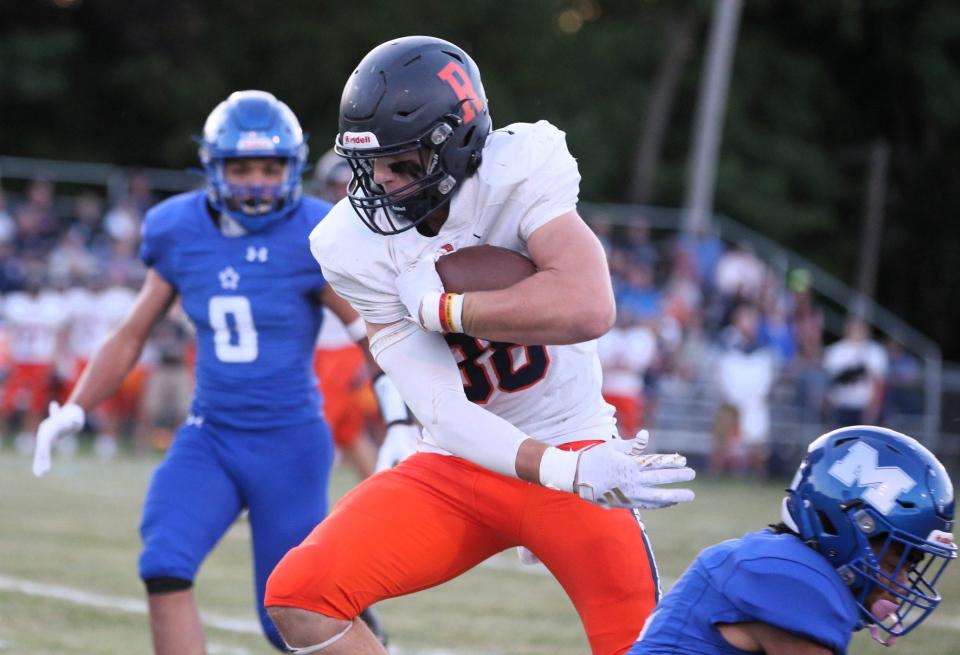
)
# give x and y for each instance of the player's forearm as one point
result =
(547, 308)
(529, 457)
(106, 370)
(422, 368)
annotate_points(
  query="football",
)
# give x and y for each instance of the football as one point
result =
(483, 268)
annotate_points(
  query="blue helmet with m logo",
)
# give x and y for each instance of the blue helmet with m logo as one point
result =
(879, 507)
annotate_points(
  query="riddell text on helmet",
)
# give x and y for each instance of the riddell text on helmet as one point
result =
(361, 139)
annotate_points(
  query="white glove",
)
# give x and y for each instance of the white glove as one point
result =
(616, 473)
(399, 443)
(61, 422)
(422, 293)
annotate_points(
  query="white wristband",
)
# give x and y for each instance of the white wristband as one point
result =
(558, 468)
(442, 312)
(357, 329)
(392, 407)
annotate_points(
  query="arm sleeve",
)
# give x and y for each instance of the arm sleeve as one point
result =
(423, 369)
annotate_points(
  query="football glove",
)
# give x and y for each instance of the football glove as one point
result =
(422, 293)
(617, 473)
(399, 443)
(62, 421)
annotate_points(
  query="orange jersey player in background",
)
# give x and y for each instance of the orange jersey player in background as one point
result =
(348, 400)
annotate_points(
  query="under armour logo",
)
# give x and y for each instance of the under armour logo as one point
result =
(257, 254)
(229, 278)
(193, 419)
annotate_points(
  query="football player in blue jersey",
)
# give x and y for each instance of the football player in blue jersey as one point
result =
(866, 533)
(236, 254)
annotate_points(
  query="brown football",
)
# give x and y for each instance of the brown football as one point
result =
(483, 268)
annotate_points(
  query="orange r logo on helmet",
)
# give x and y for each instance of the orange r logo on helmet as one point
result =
(454, 75)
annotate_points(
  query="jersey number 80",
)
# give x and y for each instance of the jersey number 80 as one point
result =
(479, 358)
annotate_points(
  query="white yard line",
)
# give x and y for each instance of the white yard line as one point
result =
(139, 606)
(249, 626)
(117, 603)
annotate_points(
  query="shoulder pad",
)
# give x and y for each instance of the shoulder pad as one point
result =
(514, 153)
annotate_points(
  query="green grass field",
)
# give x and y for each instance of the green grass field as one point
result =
(68, 582)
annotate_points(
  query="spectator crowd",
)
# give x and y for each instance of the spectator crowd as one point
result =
(69, 272)
(692, 311)
(697, 313)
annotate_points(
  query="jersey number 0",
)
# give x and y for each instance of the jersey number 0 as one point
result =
(234, 334)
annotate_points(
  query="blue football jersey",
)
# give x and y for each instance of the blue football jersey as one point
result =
(762, 577)
(254, 300)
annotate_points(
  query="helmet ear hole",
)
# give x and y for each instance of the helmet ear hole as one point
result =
(826, 524)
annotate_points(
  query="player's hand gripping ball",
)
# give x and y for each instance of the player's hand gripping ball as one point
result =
(432, 287)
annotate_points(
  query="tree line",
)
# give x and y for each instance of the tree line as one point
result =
(815, 87)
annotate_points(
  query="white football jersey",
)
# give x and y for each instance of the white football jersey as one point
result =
(625, 355)
(527, 178)
(33, 326)
(93, 316)
(84, 322)
(333, 333)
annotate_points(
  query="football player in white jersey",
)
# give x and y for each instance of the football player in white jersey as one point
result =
(34, 321)
(518, 446)
(94, 311)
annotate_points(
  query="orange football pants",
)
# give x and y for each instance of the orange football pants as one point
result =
(433, 517)
(347, 406)
(629, 413)
(28, 388)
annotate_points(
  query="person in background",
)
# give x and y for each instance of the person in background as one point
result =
(626, 351)
(806, 317)
(857, 367)
(235, 254)
(745, 371)
(904, 381)
(348, 398)
(35, 322)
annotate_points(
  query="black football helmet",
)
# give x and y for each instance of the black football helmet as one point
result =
(417, 93)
